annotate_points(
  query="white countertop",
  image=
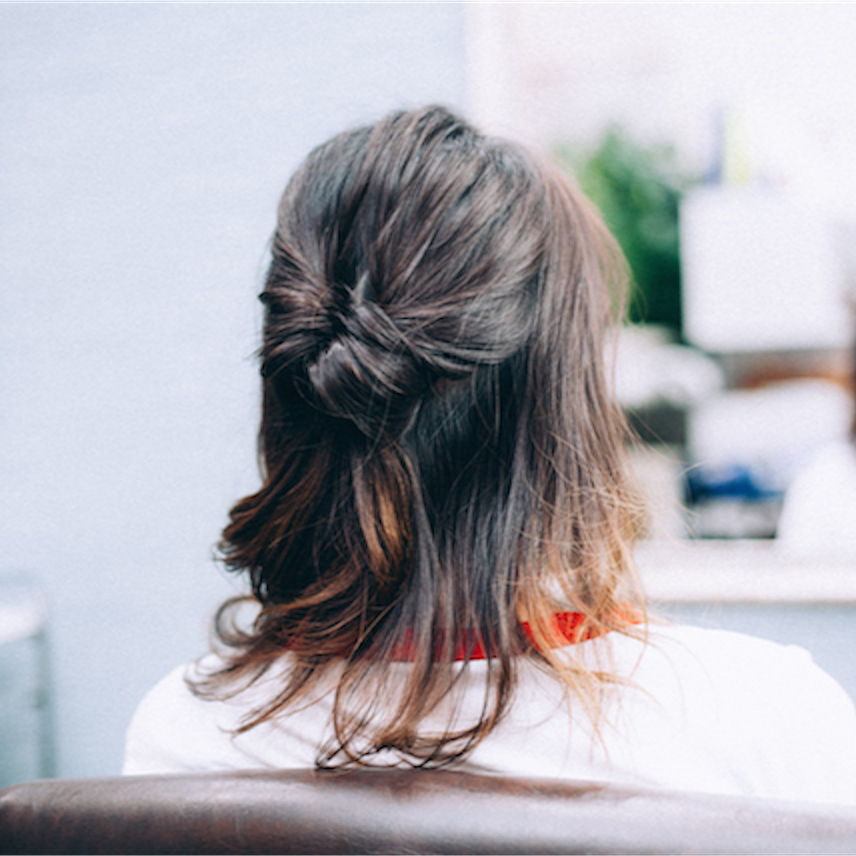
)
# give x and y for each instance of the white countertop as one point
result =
(741, 572)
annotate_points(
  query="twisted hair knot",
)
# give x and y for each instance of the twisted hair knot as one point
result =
(337, 350)
(367, 372)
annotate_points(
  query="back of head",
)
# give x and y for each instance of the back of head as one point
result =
(441, 459)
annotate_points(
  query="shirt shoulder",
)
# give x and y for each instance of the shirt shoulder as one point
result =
(766, 712)
(176, 730)
(172, 729)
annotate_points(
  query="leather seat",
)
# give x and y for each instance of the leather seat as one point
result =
(399, 811)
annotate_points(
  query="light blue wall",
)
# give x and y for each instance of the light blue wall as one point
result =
(142, 150)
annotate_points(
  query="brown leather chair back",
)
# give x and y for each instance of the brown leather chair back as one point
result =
(399, 811)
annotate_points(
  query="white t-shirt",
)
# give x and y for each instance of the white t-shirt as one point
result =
(819, 514)
(709, 711)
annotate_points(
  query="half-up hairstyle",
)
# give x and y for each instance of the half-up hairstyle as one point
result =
(442, 464)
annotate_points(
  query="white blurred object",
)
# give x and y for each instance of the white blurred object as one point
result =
(23, 610)
(651, 370)
(819, 515)
(772, 430)
(759, 272)
(659, 471)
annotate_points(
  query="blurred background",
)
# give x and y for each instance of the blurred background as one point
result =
(143, 148)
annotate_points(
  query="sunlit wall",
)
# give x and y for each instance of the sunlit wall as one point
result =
(565, 71)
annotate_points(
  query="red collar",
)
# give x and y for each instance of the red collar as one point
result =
(570, 626)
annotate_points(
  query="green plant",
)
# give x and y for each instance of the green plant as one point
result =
(638, 189)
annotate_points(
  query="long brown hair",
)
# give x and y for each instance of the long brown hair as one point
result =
(441, 459)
